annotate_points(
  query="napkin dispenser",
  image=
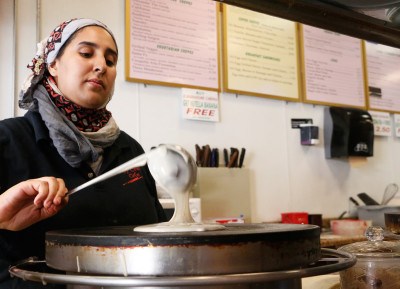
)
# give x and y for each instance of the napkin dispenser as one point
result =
(348, 132)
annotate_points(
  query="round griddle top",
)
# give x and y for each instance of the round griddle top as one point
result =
(239, 248)
(233, 233)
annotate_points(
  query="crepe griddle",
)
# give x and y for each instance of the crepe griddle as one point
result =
(239, 248)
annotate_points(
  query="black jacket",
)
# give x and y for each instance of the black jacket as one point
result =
(26, 152)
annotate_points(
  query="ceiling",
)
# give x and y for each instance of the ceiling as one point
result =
(373, 20)
(364, 4)
(387, 10)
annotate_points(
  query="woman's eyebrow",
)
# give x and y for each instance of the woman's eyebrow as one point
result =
(108, 50)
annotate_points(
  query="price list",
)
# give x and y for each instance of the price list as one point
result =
(397, 124)
(261, 54)
(173, 42)
(382, 123)
(334, 68)
(383, 66)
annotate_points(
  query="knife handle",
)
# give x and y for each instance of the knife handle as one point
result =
(235, 162)
(242, 154)
(206, 156)
(367, 199)
(226, 157)
(214, 158)
(354, 201)
(199, 155)
(233, 159)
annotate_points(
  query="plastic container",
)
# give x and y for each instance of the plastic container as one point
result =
(392, 222)
(349, 227)
(378, 263)
(295, 218)
(376, 213)
(315, 219)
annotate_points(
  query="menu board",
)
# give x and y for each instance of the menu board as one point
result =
(383, 66)
(261, 55)
(173, 42)
(333, 67)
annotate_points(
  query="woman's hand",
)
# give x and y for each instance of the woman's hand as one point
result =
(31, 201)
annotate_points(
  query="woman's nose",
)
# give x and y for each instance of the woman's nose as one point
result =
(100, 65)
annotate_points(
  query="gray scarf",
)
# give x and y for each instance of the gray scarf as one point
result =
(73, 145)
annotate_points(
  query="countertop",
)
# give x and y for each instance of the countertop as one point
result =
(329, 240)
(330, 281)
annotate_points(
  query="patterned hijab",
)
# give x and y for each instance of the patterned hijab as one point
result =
(79, 134)
(89, 120)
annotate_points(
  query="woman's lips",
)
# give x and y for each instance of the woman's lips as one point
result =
(96, 82)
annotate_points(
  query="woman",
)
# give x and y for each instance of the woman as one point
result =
(67, 134)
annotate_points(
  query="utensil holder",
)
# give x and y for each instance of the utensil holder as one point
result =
(224, 192)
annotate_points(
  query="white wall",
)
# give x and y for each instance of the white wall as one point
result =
(285, 176)
(7, 58)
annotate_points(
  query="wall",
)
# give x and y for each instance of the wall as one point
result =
(285, 176)
(7, 58)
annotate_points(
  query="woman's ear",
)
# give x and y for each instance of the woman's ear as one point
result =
(53, 68)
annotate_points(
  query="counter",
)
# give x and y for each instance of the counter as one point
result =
(330, 281)
(328, 240)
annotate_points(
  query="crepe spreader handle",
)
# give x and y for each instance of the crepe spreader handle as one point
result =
(133, 163)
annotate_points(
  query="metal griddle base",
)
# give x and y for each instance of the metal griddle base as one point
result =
(239, 248)
(331, 261)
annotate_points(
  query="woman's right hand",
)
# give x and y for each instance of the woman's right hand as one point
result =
(31, 201)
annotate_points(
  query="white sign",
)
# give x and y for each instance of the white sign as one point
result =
(200, 104)
(397, 124)
(334, 70)
(383, 76)
(382, 123)
(173, 42)
(261, 54)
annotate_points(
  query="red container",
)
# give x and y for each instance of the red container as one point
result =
(295, 218)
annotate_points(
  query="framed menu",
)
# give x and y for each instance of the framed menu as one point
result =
(383, 66)
(260, 54)
(173, 42)
(334, 70)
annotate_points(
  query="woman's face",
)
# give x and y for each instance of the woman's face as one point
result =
(85, 73)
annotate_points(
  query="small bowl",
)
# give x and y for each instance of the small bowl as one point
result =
(349, 227)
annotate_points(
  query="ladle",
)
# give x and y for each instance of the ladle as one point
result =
(175, 170)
